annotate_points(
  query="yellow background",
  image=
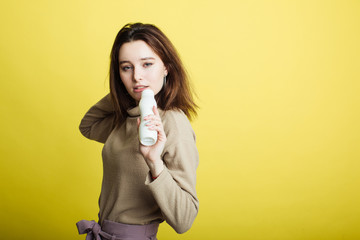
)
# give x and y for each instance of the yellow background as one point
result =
(278, 131)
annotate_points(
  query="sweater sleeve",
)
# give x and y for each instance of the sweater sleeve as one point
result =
(98, 122)
(174, 189)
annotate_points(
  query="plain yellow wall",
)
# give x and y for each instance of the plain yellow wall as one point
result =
(278, 131)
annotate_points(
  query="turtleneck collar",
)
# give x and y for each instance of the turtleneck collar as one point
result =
(134, 112)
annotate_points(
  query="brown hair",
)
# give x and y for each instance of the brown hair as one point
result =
(177, 92)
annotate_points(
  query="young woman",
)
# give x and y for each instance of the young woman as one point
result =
(143, 186)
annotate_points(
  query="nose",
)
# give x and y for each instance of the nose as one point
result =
(138, 75)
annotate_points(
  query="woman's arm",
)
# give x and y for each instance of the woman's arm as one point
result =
(174, 189)
(98, 122)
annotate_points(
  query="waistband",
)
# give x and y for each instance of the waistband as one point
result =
(116, 231)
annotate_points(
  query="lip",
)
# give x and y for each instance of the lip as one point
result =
(140, 88)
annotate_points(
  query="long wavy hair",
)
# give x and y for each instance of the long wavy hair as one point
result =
(176, 94)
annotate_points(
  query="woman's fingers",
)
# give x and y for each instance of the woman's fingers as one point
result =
(159, 129)
(152, 118)
(154, 123)
(156, 112)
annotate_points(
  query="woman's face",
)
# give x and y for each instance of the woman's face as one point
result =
(140, 68)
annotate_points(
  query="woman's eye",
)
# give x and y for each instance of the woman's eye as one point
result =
(125, 68)
(148, 64)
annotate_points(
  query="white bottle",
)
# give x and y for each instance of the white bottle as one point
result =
(147, 137)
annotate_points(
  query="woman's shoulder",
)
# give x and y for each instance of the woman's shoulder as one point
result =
(176, 123)
(174, 115)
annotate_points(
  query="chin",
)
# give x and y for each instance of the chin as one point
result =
(136, 97)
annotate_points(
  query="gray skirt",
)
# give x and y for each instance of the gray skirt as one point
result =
(117, 231)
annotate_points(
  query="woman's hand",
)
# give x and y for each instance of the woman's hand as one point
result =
(152, 154)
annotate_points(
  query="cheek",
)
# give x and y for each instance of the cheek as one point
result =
(158, 83)
(125, 79)
(157, 77)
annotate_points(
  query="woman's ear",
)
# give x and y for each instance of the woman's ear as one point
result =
(165, 72)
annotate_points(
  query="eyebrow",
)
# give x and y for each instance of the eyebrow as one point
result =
(145, 58)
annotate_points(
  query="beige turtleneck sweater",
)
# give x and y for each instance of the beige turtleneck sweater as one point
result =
(128, 194)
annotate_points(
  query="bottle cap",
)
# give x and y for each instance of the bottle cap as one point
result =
(147, 92)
